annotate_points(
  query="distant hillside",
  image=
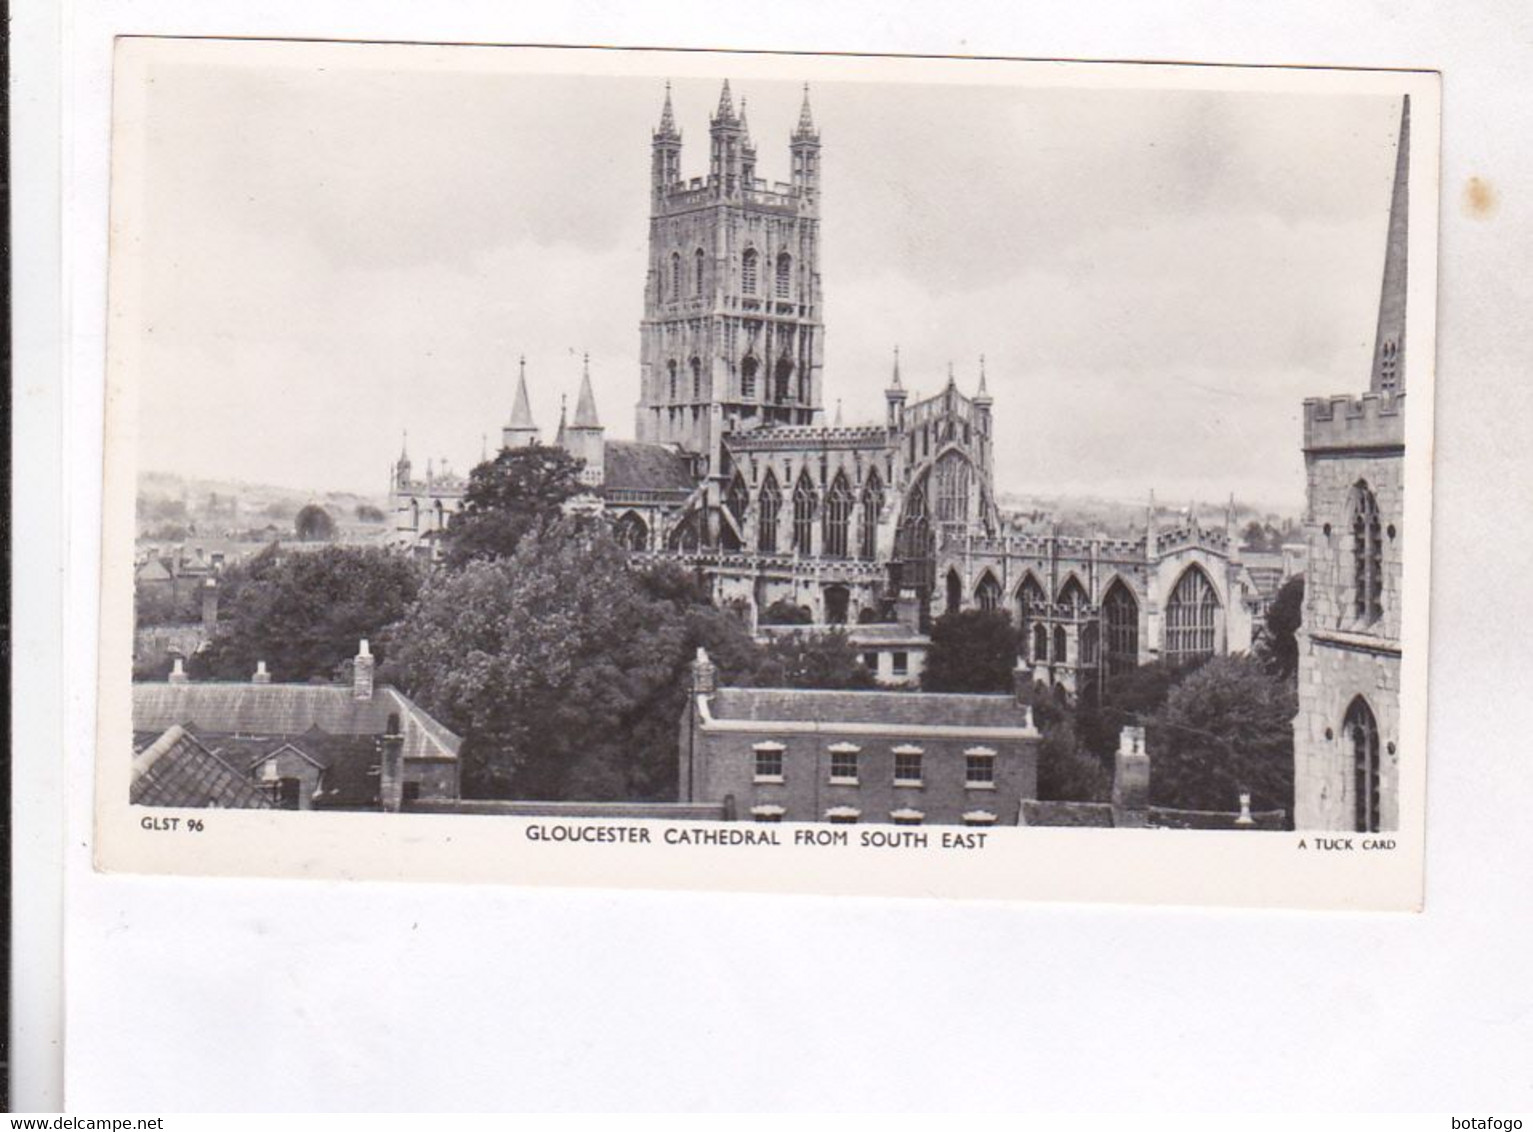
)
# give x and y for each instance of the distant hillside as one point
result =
(172, 507)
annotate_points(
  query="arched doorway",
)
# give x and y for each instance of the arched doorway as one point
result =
(954, 592)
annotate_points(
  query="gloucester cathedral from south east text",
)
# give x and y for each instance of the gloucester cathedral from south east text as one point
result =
(736, 472)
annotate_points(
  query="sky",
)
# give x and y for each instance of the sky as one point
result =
(337, 251)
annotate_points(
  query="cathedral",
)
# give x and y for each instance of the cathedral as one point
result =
(736, 472)
(1346, 762)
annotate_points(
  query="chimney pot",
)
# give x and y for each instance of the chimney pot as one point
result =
(362, 673)
(177, 672)
(1245, 817)
(261, 675)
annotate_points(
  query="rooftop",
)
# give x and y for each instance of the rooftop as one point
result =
(885, 710)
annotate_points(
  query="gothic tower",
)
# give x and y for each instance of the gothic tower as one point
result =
(732, 335)
(1347, 731)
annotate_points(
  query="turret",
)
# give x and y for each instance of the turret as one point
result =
(665, 157)
(520, 432)
(895, 395)
(805, 148)
(747, 150)
(402, 468)
(584, 436)
(727, 136)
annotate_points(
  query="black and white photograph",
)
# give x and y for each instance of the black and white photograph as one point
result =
(847, 474)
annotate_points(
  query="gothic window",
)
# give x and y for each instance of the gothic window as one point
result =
(872, 505)
(954, 592)
(1072, 595)
(738, 500)
(748, 271)
(1190, 618)
(784, 276)
(697, 379)
(1090, 644)
(784, 380)
(806, 502)
(697, 275)
(748, 378)
(1061, 645)
(769, 505)
(953, 482)
(675, 276)
(838, 517)
(671, 370)
(1030, 608)
(1362, 731)
(988, 592)
(1120, 612)
(913, 541)
(632, 532)
(1367, 555)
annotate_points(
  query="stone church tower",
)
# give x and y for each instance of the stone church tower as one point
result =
(1346, 735)
(732, 335)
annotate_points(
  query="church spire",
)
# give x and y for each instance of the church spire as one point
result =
(1389, 343)
(667, 128)
(520, 432)
(982, 394)
(726, 110)
(805, 130)
(895, 384)
(585, 405)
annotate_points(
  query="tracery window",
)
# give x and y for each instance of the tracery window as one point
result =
(838, 517)
(748, 377)
(1040, 644)
(1362, 731)
(738, 500)
(872, 505)
(768, 505)
(988, 593)
(1030, 607)
(748, 271)
(675, 276)
(913, 541)
(671, 369)
(1121, 613)
(1073, 597)
(697, 275)
(953, 481)
(632, 532)
(1061, 645)
(784, 380)
(1191, 617)
(784, 276)
(806, 503)
(1367, 555)
(697, 379)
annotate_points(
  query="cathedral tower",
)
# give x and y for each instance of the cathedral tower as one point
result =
(732, 335)
(1346, 733)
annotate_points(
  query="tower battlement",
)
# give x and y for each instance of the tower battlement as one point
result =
(1373, 420)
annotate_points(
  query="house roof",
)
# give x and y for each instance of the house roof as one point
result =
(270, 711)
(894, 710)
(633, 465)
(178, 770)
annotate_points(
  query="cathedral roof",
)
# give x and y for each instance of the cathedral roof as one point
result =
(634, 465)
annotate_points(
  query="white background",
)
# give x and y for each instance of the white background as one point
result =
(199, 994)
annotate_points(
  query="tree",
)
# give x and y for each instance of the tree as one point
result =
(784, 611)
(1279, 644)
(814, 660)
(520, 491)
(161, 603)
(367, 513)
(1226, 729)
(304, 614)
(314, 524)
(1254, 537)
(1129, 699)
(972, 650)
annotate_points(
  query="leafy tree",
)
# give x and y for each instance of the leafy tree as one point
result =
(1129, 699)
(1279, 645)
(1254, 537)
(367, 513)
(169, 532)
(280, 509)
(1226, 729)
(314, 524)
(305, 613)
(520, 491)
(814, 660)
(160, 603)
(972, 650)
(784, 611)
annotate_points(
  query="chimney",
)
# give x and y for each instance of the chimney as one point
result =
(261, 675)
(1022, 686)
(209, 609)
(1245, 817)
(362, 673)
(391, 764)
(1131, 779)
(177, 673)
(704, 675)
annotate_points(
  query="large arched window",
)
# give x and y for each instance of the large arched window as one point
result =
(1061, 645)
(748, 271)
(988, 592)
(631, 531)
(954, 478)
(784, 276)
(1367, 555)
(671, 370)
(913, 540)
(806, 502)
(1191, 618)
(838, 517)
(1030, 603)
(954, 592)
(675, 276)
(738, 500)
(697, 379)
(699, 259)
(1361, 730)
(1120, 612)
(1090, 638)
(748, 369)
(872, 505)
(784, 382)
(1072, 595)
(768, 505)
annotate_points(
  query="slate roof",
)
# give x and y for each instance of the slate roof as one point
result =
(178, 770)
(259, 711)
(894, 709)
(632, 465)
